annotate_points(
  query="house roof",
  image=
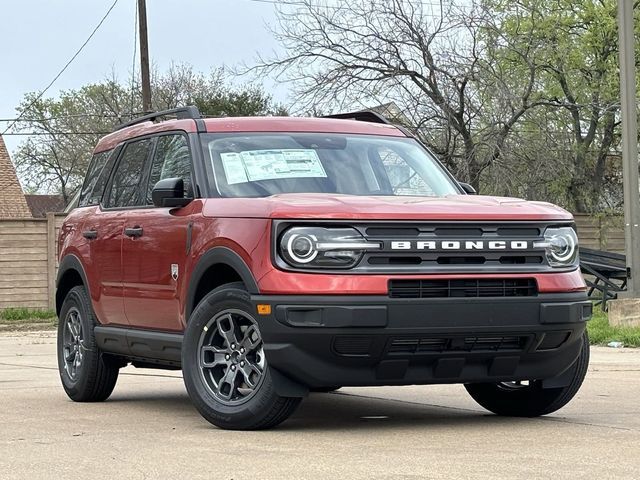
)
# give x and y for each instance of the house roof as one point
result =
(40, 205)
(12, 201)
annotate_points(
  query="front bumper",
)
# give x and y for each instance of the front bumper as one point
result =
(323, 341)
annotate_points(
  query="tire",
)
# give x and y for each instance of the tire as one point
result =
(224, 367)
(87, 374)
(513, 400)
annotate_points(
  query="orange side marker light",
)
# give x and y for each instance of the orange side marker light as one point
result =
(264, 309)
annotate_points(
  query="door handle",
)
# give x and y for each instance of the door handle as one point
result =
(133, 232)
(90, 234)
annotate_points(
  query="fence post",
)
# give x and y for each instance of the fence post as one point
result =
(52, 253)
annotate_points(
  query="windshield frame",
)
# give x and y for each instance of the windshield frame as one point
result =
(212, 179)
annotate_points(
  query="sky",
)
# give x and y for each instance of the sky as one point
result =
(38, 37)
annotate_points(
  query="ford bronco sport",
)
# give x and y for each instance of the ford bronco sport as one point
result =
(270, 257)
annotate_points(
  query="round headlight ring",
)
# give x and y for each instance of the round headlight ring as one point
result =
(568, 248)
(308, 241)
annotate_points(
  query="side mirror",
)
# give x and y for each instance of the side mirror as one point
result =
(468, 189)
(169, 193)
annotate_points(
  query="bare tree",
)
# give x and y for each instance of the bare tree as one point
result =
(429, 58)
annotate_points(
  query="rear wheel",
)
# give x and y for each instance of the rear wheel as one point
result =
(224, 366)
(87, 374)
(529, 399)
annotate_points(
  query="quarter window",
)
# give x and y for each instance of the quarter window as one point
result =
(171, 160)
(125, 187)
(95, 180)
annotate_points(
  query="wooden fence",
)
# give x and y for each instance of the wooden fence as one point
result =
(601, 232)
(28, 257)
(28, 261)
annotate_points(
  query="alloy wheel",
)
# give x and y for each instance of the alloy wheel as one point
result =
(73, 343)
(231, 357)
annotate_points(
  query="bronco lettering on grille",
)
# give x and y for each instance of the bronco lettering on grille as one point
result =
(461, 245)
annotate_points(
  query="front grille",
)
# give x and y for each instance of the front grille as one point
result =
(493, 343)
(433, 247)
(467, 288)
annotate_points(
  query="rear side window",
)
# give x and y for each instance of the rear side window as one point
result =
(171, 159)
(95, 180)
(127, 179)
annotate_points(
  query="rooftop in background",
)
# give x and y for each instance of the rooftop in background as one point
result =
(12, 201)
(40, 205)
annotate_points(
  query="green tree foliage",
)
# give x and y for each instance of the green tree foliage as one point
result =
(576, 126)
(68, 127)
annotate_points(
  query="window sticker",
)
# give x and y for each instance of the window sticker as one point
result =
(233, 168)
(256, 165)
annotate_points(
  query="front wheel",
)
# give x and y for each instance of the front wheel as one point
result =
(529, 399)
(224, 367)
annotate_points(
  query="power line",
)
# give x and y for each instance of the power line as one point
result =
(65, 67)
(60, 117)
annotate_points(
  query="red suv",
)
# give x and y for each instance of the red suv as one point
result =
(270, 257)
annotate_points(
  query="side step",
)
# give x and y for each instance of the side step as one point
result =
(146, 345)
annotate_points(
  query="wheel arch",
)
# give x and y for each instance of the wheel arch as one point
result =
(70, 274)
(216, 267)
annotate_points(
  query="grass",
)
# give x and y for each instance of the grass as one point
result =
(21, 316)
(601, 333)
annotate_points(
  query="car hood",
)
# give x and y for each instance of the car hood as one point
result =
(350, 207)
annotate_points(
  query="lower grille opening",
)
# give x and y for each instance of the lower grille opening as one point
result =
(476, 288)
(493, 343)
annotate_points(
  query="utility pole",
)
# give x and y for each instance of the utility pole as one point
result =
(144, 56)
(629, 146)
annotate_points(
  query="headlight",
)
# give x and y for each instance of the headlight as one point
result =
(561, 246)
(317, 247)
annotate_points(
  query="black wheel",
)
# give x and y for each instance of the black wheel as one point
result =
(224, 366)
(87, 374)
(529, 399)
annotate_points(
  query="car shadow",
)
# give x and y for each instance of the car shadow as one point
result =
(346, 411)
(337, 411)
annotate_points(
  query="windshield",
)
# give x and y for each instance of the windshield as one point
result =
(260, 165)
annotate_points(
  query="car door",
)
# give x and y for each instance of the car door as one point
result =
(103, 233)
(155, 243)
(108, 225)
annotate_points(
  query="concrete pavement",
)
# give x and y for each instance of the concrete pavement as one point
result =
(148, 429)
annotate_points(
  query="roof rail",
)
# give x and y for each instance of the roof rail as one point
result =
(361, 116)
(181, 113)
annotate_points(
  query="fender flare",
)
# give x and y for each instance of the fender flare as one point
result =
(69, 262)
(219, 255)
